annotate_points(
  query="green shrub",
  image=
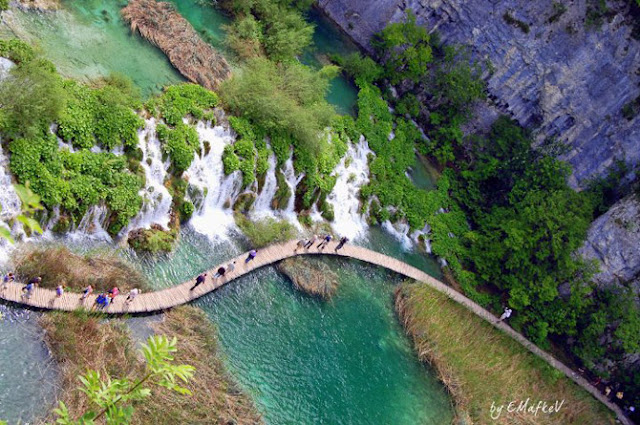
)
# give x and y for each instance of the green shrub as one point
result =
(180, 143)
(16, 50)
(230, 160)
(265, 232)
(178, 101)
(186, 211)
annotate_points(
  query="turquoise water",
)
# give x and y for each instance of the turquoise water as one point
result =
(28, 377)
(88, 39)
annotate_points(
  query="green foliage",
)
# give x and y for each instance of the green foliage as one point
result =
(186, 211)
(360, 68)
(230, 160)
(180, 143)
(153, 240)
(16, 50)
(282, 99)
(405, 50)
(265, 232)
(31, 98)
(527, 223)
(276, 26)
(178, 101)
(30, 203)
(100, 116)
(113, 399)
(76, 181)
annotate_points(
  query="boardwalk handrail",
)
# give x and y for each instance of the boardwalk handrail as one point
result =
(158, 301)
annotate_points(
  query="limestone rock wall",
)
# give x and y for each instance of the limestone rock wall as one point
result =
(559, 79)
(614, 241)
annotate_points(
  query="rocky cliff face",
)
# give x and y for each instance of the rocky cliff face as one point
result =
(546, 69)
(614, 241)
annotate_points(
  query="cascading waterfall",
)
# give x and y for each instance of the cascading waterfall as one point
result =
(93, 225)
(215, 217)
(11, 207)
(156, 198)
(292, 181)
(262, 205)
(352, 173)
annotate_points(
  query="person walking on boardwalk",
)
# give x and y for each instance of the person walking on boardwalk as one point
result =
(505, 315)
(102, 301)
(59, 291)
(311, 241)
(132, 295)
(343, 241)
(220, 272)
(113, 292)
(252, 254)
(28, 289)
(86, 292)
(301, 243)
(199, 280)
(8, 278)
(231, 266)
(324, 242)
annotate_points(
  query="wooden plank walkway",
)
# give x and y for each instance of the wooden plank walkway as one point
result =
(181, 294)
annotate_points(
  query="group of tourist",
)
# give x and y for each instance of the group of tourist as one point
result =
(222, 270)
(324, 241)
(104, 299)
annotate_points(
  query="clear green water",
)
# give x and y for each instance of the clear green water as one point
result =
(307, 361)
(88, 39)
(28, 378)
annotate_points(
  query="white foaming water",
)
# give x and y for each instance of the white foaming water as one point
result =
(292, 180)
(156, 198)
(262, 205)
(400, 231)
(215, 217)
(345, 196)
(92, 226)
(11, 207)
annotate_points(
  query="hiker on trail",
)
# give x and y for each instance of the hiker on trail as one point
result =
(8, 278)
(199, 280)
(113, 292)
(301, 243)
(231, 266)
(132, 295)
(324, 242)
(505, 315)
(311, 241)
(86, 292)
(220, 272)
(28, 289)
(102, 301)
(59, 291)
(251, 256)
(343, 241)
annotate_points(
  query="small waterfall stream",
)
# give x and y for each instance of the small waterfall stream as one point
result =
(262, 205)
(11, 206)
(352, 173)
(156, 197)
(215, 217)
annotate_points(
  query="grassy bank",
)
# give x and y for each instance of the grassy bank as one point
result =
(79, 342)
(58, 265)
(480, 365)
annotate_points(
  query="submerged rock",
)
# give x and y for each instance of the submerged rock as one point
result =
(162, 25)
(310, 275)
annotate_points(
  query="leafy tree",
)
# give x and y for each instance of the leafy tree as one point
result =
(361, 68)
(112, 399)
(286, 99)
(405, 50)
(31, 98)
(30, 203)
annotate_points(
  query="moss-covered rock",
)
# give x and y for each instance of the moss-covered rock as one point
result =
(155, 239)
(244, 202)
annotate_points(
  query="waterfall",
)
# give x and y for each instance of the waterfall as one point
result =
(262, 205)
(156, 205)
(292, 181)
(215, 217)
(11, 207)
(92, 225)
(400, 231)
(352, 173)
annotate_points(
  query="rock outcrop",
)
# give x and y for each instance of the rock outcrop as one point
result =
(548, 70)
(614, 241)
(163, 26)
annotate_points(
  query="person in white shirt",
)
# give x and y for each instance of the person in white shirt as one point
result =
(505, 315)
(132, 294)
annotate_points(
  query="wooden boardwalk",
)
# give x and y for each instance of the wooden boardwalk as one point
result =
(181, 294)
